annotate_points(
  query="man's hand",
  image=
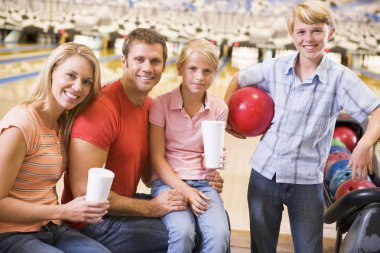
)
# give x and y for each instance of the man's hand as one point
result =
(216, 181)
(166, 202)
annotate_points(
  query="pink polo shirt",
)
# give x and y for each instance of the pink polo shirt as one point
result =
(183, 135)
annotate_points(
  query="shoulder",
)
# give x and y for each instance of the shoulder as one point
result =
(20, 116)
(217, 105)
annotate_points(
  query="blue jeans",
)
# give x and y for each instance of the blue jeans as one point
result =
(130, 234)
(50, 239)
(213, 224)
(305, 207)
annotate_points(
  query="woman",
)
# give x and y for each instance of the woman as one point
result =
(33, 157)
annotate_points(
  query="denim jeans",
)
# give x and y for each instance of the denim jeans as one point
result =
(130, 234)
(50, 239)
(305, 207)
(213, 223)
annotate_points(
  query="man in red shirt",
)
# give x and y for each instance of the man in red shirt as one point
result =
(113, 131)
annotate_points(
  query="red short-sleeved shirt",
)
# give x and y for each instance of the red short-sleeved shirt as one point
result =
(115, 125)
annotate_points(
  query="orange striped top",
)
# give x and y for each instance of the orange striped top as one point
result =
(43, 165)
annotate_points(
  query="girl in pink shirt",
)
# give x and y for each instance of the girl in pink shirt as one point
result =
(177, 151)
(33, 157)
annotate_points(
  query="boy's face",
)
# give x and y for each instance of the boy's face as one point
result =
(310, 40)
(144, 66)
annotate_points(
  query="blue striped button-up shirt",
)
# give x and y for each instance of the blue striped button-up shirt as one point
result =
(296, 145)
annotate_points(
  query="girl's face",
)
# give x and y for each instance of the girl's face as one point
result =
(310, 40)
(197, 73)
(72, 81)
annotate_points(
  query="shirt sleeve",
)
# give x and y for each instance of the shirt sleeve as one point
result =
(97, 124)
(157, 112)
(356, 97)
(20, 118)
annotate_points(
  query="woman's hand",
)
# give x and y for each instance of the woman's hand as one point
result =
(81, 210)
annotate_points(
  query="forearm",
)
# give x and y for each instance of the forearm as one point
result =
(14, 210)
(232, 87)
(372, 134)
(166, 173)
(125, 206)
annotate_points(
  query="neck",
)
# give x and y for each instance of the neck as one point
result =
(134, 95)
(306, 67)
(49, 115)
(192, 103)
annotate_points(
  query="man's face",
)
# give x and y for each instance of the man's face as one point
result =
(144, 66)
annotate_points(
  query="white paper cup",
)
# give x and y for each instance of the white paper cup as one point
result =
(99, 184)
(213, 142)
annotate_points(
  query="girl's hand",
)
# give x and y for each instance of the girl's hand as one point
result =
(81, 210)
(198, 201)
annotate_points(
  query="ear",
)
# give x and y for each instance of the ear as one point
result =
(124, 62)
(179, 70)
(331, 33)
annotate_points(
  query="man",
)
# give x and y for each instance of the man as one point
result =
(113, 131)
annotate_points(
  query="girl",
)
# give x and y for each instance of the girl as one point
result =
(176, 150)
(33, 157)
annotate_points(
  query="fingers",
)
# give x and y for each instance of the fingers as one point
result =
(233, 133)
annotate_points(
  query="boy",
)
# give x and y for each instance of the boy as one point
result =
(309, 90)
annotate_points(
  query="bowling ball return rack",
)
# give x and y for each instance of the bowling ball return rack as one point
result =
(357, 214)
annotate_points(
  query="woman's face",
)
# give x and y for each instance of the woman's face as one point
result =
(72, 81)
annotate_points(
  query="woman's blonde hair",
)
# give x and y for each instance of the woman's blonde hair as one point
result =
(41, 91)
(311, 12)
(201, 46)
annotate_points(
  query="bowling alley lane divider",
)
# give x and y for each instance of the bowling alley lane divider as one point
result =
(35, 73)
(26, 48)
(23, 59)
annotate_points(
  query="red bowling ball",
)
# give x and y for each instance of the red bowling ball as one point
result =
(352, 185)
(347, 136)
(251, 111)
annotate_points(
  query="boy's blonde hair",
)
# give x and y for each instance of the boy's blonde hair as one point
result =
(41, 91)
(311, 12)
(202, 46)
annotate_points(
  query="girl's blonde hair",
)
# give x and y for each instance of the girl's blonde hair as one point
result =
(201, 46)
(311, 12)
(41, 91)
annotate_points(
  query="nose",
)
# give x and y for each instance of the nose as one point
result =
(147, 66)
(309, 36)
(77, 85)
(199, 75)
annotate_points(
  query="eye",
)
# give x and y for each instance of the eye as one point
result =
(156, 62)
(208, 71)
(88, 82)
(139, 60)
(70, 76)
(192, 68)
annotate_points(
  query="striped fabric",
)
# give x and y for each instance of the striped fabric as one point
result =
(44, 163)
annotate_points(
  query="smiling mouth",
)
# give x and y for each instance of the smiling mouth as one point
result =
(71, 95)
(146, 78)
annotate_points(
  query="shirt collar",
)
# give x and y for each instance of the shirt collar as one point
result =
(321, 72)
(176, 101)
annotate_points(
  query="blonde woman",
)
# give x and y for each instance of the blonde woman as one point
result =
(33, 157)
